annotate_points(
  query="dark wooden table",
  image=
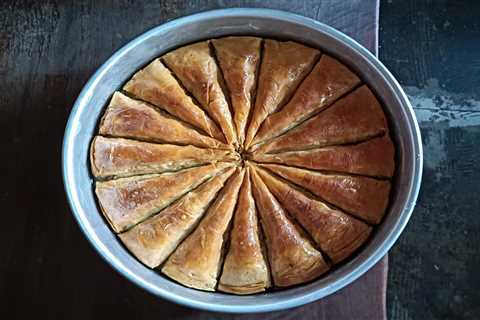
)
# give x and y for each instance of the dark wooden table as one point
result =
(48, 50)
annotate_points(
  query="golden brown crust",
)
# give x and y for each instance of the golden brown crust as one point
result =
(153, 240)
(374, 158)
(196, 262)
(174, 178)
(129, 118)
(155, 84)
(127, 201)
(118, 157)
(284, 65)
(328, 80)
(238, 58)
(245, 270)
(354, 118)
(199, 73)
(365, 198)
(293, 260)
(337, 233)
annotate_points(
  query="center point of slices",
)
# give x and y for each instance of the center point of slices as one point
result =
(243, 155)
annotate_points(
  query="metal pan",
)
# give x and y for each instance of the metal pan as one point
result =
(112, 74)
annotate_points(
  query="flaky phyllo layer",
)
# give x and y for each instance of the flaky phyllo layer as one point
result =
(239, 164)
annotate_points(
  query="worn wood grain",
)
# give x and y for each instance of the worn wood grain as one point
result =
(433, 50)
(48, 50)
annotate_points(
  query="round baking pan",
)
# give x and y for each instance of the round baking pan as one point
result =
(89, 106)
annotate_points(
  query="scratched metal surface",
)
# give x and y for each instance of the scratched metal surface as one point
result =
(433, 48)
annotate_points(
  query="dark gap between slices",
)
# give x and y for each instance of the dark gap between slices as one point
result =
(310, 116)
(223, 85)
(288, 97)
(153, 140)
(308, 194)
(135, 97)
(191, 96)
(176, 198)
(227, 239)
(301, 230)
(194, 227)
(353, 142)
(114, 177)
(323, 171)
(262, 238)
(308, 71)
(168, 115)
(314, 196)
(254, 90)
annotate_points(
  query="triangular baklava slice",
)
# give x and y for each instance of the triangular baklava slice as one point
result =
(239, 58)
(373, 157)
(118, 157)
(245, 270)
(129, 118)
(196, 262)
(328, 81)
(153, 240)
(155, 84)
(284, 65)
(363, 197)
(337, 233)
(354, 118)
(198, 72)
(293, 259)
(128, 201)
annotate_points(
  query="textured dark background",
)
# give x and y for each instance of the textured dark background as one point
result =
(432, 47)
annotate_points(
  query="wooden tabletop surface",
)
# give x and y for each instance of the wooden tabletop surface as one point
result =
(48, 50)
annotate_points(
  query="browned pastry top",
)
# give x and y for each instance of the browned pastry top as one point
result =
(238, 58)
(240, 164)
